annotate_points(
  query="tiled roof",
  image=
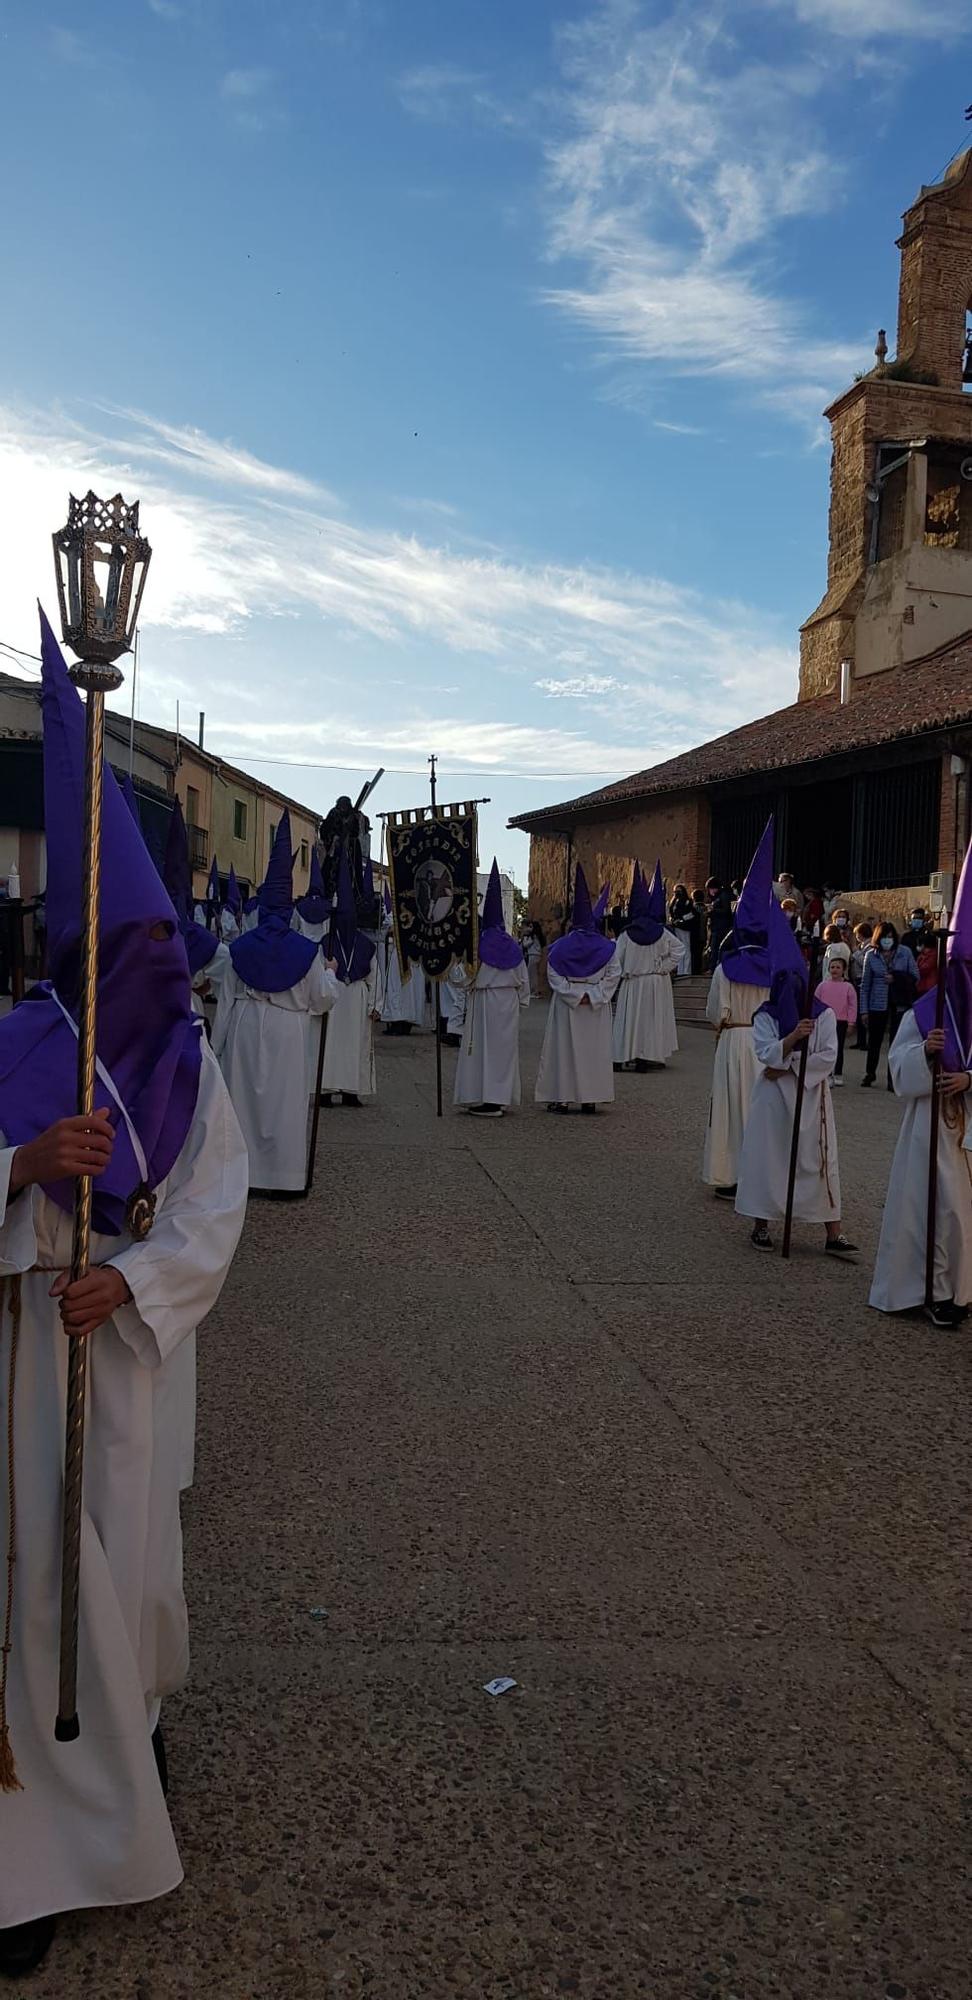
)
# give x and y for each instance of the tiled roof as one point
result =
(933, 693)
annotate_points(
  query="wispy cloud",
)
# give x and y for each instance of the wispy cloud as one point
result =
(71, 48)
(913, 20)
(659, 664)
(189, 450)
(445, 92)
(677, 161)
(252, 99)
(581, 687)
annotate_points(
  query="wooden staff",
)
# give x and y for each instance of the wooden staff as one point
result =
(941, 940)
(798, 1110)
(93, 679)
(316, 1118)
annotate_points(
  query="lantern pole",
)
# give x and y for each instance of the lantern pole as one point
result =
(99, 627)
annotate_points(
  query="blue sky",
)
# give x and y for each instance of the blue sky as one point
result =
(468, 360)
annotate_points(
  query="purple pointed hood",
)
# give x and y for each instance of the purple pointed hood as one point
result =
(130, 798)
(496, 946)
(201, 944)
(584, 952)
(958, 982)
(646, 907)
(276, 892)
(346, 944)
(314, 908)
(788, 999)
(601, 906)
(146, 1037)
(746, 953)
(785, 953)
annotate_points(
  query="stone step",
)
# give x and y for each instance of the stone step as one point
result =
(690, 998)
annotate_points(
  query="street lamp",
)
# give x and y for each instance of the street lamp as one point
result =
(101, 562)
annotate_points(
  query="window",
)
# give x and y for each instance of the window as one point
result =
(895, 825)
(303, 853)
(192, 806)
(239, 820)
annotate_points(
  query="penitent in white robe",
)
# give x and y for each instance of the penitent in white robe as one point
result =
(765, 1159)
(899, 1274)
(730, 1007)
(304, 929)
(576, 1065)
(349, 1056)
(261, 1041)
(90, 1826)
(488, 1065)
(401, 999)
(644, 1019)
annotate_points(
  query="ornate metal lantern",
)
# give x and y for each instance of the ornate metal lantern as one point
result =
(101, 562)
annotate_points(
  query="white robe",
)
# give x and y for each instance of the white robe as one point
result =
(212, 975)
(899, 1274)
(452, 1000)
(488, 1065)
(261, 1041)
(90, 1826)
(730, 1008)
(644, 1019)
(401, 1000)
(304, 929)
(349, 1056)
(765, 1159)
(228, 926)
(576, 1065)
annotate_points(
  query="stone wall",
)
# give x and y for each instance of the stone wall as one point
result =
(875, 411)
(674, 829)
(936, 276)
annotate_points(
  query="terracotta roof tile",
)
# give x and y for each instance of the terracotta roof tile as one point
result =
(933, 693)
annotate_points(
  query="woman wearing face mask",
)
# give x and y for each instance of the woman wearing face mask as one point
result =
(888, 989)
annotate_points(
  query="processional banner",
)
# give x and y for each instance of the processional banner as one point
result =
(432, 856)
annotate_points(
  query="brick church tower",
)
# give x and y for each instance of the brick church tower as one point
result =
(899, 580)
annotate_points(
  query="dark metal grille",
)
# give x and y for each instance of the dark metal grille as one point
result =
(894, 836)
(737, 826)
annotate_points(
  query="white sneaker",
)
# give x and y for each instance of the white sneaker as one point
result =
(837, 1082)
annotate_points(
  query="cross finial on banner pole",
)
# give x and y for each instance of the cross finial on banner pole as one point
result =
(433, 760)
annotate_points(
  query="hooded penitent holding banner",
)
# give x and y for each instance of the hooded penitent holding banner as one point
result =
(583, 972)
(312, 913)
(648, 955)
(778, 1033)
(402, 1003)
(89, 1826)
(276, 978)
(740, 984)
(488, 1069)
(899, 1274)
(231, 914)
(208, 957)
(349, 1063)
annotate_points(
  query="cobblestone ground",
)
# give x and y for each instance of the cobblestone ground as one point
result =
(519, 1399)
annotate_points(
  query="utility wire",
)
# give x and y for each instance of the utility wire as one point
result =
(394, 771)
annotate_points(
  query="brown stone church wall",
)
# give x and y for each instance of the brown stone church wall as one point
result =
(675, 828)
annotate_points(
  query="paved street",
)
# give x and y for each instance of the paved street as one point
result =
(519, 1399)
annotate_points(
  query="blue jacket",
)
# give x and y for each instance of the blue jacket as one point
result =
(878, 969)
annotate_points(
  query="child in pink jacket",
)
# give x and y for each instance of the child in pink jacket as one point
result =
(837, 992)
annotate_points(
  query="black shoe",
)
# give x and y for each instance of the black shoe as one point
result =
(945, 1314)
(485, 1111)
(726, 1193)
(351, 1099)
(325, 1100)
(839, 1246)
(589, 1109)
(866, 1082)
(452, 1041)
(618, 1067)
(161, 1760)
(761, 1239)
(23, 1946)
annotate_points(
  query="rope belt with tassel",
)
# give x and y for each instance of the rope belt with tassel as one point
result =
(9, 1781)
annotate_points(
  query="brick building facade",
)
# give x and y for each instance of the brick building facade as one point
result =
(867, 772)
